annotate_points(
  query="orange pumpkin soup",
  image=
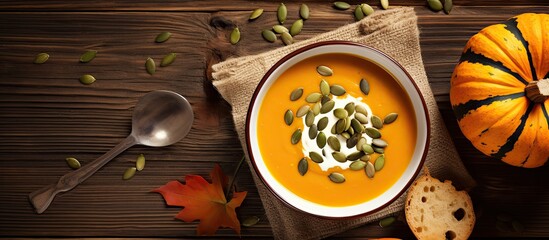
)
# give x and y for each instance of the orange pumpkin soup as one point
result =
(282, 157)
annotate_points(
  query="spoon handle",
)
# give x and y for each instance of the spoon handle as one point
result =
(43, 197)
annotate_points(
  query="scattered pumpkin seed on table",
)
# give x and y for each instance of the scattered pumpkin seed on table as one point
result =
(342, 5)
(88, 56)
(287, 38)
(73, 163)
(150, 66)
(281, 13)
(435, 5)
(168, 59)
(296, 27)
(367, 9)
(140, 162)
(447, 6)
(87, 79)
(250, 221)
(280, 29)
(162, 37)
(388, 221)
(41, 58)
(256, 13)
(304, 11)
(129, 173)
(235, 36)
(268, 35)
(359, 15)
(384, 4)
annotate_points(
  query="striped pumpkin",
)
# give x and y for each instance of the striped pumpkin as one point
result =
(493, 90)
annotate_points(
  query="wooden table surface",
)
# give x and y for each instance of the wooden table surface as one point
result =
(46, 114)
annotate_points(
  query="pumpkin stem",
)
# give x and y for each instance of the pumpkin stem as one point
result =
(538, 91)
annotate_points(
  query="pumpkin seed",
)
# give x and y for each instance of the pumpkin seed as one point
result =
(379, 163)
(162, 37)
(87, 79)
(323, 152)
(359, 15)
(373, 133)
(353, 140)
(316, 108)
(322, 123)
(235, 36)
(41, 58)
(296, 136)
(268, 35)
(336, 177)
(333, 130)
(341, 113)
(379, 143)
(140, 162)
(296, 27)
(327, 107)
(309, 118)
(279, 29)
(357, 126)
(337, 90)
(288, 117)
(367, 9)
(313, 97)
(365, 158)
(364, 86)
(447, 6)
(88, 56)
(168, 59)
(350, 108)
(390, 118)
(325, 99)
(324, 87)
(387, 222)
(351, 131)
(370, 170)
(129, 173)
(316, 157)
(321, 140)
(302, 111)
(340, 126)
(303, 166)
(435, 5)
(250, 221)
(150, 66)
(287, 39)
(339, 156)
(347, 123)
(367, 148)
(342, 5)
(256, 13)
(346, 135)
(73, 163)
(357, 165)
(376, 122)
(296, 94)
(379, 150)
(324, 70)
(361, 118)
(355, 156)
(313, 131)
(281, 13)
(361, 109)
(359, 144)
(304, 11)
(385, 4)
(333, 142)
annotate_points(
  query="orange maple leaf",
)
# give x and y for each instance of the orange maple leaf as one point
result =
(204, 201)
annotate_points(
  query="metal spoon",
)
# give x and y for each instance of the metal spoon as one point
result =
(160, 118)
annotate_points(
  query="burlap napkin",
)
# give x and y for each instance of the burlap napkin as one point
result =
(394, 32)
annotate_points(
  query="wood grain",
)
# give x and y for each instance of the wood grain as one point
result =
(46, 115)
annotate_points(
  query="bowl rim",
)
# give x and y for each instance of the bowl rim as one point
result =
(304, 49)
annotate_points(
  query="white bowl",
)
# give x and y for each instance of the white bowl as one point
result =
(370, 54)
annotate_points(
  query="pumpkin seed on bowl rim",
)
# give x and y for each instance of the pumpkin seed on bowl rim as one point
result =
(73, 163)
(342, 5)
(296, 136)
(129, 173)
(287, 38)
(296, 94)
(304, 12)
(296, 27)
(281, 13)
(235, 36)
(316, 157)
(289, 117)
(255, 14)
(324, 70)
(162, 37)
(41, 58)
(168, 60)
(88, 56)
(303, 166)
(87, 79)
(336, 177)
(268, 35)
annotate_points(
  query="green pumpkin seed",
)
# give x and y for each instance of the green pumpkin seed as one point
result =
(346, 135)
(302, 111)
(303, 166)
(73, 163)
(316, 157)
(268, 35)
(168, 59)
(289, 117)
(235, 36)
(309, 118)
(367, 148)
(322, 123)
(357, 126)
(359, 15)
(296, 94)
(376, 122)
(379, 150)
(347, 123)
(359, 144)
(370, 170)
(324, 70)
(324, 87)
(353, 140)
(340, 126)
(333, 142)
(350, 108)
(390, 118)
(256, 13)
(361, 118)
(341, 113)
(281, 13)
(41, 58)
(87, 79)
(333, 130)
(129, 173)
(339, 156)
(140, 162)
(321, 140)
(387, 222)
(296, 136)
(327, 107)
(316, 108)
(280, 29)
(367, 9)
(323, 152)
(357, 165)
(351, 131)
(355, 156)
(313, 97)
(435, 5)
(361, 109)
(287, 39)
(337, 90)
(336, 177)
(313, 131)
(379, 163)
(365, 158)
(162, 37)
(250, 221)
(373, 133)
(342, 5)
(385, 4)
(304, 11)
(150, 66)
(447, 6)
(88, 56)
(379, 143)
(325, 99)
(364, 86)
(296, 27)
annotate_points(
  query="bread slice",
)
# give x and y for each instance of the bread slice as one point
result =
(436, 210)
